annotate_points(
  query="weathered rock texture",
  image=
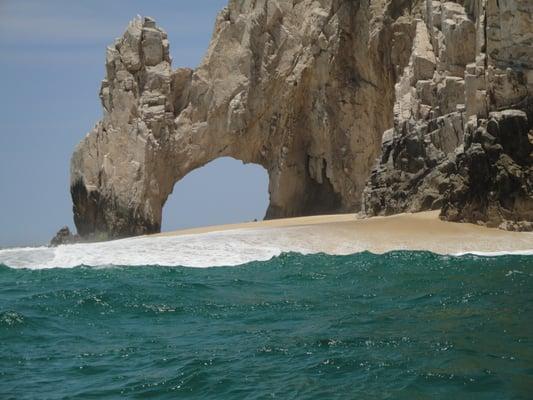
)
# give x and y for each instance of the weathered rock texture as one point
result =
(306, 89)
(462, 139)
(303, 88)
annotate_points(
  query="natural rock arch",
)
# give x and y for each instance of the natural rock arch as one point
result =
(303, 89)
(306, 88)
(223, 191)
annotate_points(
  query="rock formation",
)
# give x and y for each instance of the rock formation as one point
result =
(462, 139)
(64, 236)
(306, 89)
(302, 89)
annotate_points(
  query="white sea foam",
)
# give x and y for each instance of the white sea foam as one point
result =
(225, 248)
(495, 253)
(198, 250)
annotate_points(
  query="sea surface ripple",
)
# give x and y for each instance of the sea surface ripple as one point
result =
(402, 325)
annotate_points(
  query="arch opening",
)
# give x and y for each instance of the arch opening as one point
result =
(223, 191)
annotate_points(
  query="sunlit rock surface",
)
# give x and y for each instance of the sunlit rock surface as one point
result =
(315, 92)
(462, 139)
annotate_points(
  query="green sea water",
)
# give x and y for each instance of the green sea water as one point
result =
(404, 325)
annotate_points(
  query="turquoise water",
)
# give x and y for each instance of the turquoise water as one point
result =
(405, 325)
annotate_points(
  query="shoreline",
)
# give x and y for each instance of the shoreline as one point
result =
(347, 233)
(238, 244)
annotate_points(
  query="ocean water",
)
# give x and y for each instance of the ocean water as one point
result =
(403, 325)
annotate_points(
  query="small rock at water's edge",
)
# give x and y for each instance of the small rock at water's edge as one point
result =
(64, 236)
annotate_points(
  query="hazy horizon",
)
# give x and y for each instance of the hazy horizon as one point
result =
(52, 69)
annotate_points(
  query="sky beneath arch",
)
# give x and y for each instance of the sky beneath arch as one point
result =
(51, 64)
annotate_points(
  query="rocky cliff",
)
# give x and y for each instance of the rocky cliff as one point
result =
(462, 138)
(306, 89)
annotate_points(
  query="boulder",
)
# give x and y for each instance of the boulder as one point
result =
(64, 236)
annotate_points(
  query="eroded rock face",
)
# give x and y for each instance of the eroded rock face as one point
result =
(119, 172)
(303, 88)
(315, 91)
(463, 118)
(493, 182)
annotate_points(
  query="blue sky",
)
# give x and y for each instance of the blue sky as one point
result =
(51, 65)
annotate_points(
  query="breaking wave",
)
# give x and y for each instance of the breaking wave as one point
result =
(226, 248)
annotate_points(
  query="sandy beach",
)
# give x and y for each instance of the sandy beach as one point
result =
(346, 233)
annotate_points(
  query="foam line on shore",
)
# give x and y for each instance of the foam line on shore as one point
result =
(202, 250)
(212, 249)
